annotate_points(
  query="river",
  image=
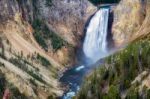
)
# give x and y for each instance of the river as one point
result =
(95, 47)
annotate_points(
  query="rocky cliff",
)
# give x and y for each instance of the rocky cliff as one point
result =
(67, 17)
(38, 39)
(131, 20)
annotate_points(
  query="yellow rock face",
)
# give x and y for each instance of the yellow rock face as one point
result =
(129, 16)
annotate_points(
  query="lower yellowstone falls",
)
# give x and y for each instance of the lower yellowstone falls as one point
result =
(94, 49)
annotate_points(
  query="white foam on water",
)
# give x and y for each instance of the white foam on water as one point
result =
(80, 68)
(69, 95)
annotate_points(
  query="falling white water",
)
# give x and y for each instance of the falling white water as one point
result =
(80, 68)
(94, 48)
(95, 43)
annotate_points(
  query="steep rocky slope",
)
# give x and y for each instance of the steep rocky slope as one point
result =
(131, 20)
(27, 25)
(64, 18)
(125, 75)
(67, 17)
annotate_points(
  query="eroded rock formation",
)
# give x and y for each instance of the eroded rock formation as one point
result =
(131, 19)
(37, 68)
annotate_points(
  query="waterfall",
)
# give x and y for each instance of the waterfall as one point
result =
(94, 48)
(95, 42)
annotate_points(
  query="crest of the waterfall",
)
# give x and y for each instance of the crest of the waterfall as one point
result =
(95, 43)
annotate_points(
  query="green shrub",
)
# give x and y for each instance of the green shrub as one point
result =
(40, 40)
(37, 77)
(48, 3)
(51, 97)
(42, 34)
(148, 94)
(19, 63)
(2, 85)
(33, 82)
(43, 60)
(114, 92)
(132, 94)
(16, 93)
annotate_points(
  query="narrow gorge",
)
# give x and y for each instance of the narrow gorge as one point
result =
(95, 42)
(74, 49)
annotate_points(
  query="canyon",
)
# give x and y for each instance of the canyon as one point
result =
(39, 39)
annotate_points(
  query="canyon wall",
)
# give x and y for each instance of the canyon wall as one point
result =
(67, 17)
(131, 19)
(23, 60)
(20, 20)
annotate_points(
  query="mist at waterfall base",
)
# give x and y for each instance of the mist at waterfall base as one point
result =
(94, 48)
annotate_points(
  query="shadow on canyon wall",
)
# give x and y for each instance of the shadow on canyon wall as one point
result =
(109, 35)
